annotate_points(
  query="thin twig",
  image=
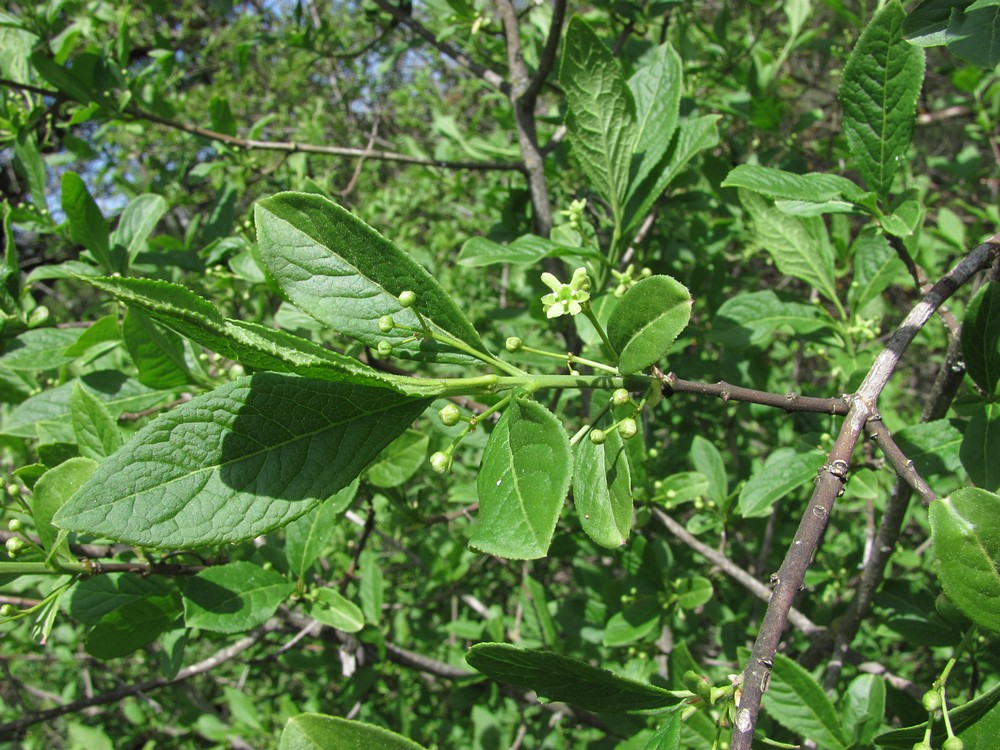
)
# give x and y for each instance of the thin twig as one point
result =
(897, 459)
(727, 392)
(830, 484)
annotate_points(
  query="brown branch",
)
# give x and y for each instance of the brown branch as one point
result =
(491, 77)
(734, 571)
(830, 484)
(12, 729)
(548, 57)
(727, 392)
(897, 459)
(523, 103)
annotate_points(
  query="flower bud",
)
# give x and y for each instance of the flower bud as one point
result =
(628, 428)
(440, 462)
(6, 610)
(931, 700)
(597, 437)
(14, 525)
(407, 298)
(953, 743)
(620, 397)
(384, 348)
(513, 343)
(14, 545)
(386, 323)
(450, 415)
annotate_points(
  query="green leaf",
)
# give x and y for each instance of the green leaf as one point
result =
(330, 608)
(52, 490)
(131, 627)
(319, 732)
(251, 344)
(92, 598)
(876, 266)
(668, 735)
(751, 318)
(602, 488)
(559, 678)
(28, 158)
(656, 88)
(342, 272)
(776, 184)
(981, 336)
(633, 623)
(306, 537)
(137, 221)
(932, 446)
(647, 320)
(527, 249)
(239, 461)
(975, 34)
(878, 93)
(800, 246)
(234, 597)
(601, 121)
(39, 350)
(705, 457)
(966, 539)
(87, 224)
(693, 591)
(797, 702)
(399, 461)
(862, 707)
(157, 354)
(691, 136)
(961, 718)
(97, 434)
(371, 587)
(980, 452)
(783, 472)
(522, 483)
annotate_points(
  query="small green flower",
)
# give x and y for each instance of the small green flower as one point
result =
(566, 299)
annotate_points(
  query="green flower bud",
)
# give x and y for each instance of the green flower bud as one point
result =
(407, 298)
(6, 610)
(922, 746)
(953, 743)
(652, 453)
(386, 323)
(620, 397)
(931, 700)
(628, 428)
(384, 348)
(450, 415)
(440, 462)
(14, 525)
(513, 344)
(597, 437)
(14, 545)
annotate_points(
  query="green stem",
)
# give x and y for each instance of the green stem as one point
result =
(491, 384)
(466, 349)
(569, 359)
(57, 568)
(588, 311)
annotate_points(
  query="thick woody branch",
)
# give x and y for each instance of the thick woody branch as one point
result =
(830, 485)
(548, 57)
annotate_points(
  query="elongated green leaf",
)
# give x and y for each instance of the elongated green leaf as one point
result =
(690, 137)
(693, 592)
(797, 702)
(876, 266)
(783, 472)
(601, 122)
(234, 597)
(86, 223)
(118, 392)
(878, 93)
(800, 246)
(981, 337)
(646, 322)
(372, 586)
(966, 538)
(250, 343)
(39, 350)
(137, 221)
(92, 598)
(975, 34)
(980, 451)
(319, 732)
(863, 707)
(751, 318)
(399, 461)
(131, 627)
(330, 608)
(656, 89)
(705, 457)
(52, 490)
(932, 446)
(814, 187)
(157, 354)
(961, 718)
(96, 432)
(527, 249)
(602, 488)
(668, 735)
(559, 678)
(306, 537)
(239, 461)
(633, 623)
(346, 275)
(522, 483)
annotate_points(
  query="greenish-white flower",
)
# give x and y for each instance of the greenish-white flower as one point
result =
(566, 299)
